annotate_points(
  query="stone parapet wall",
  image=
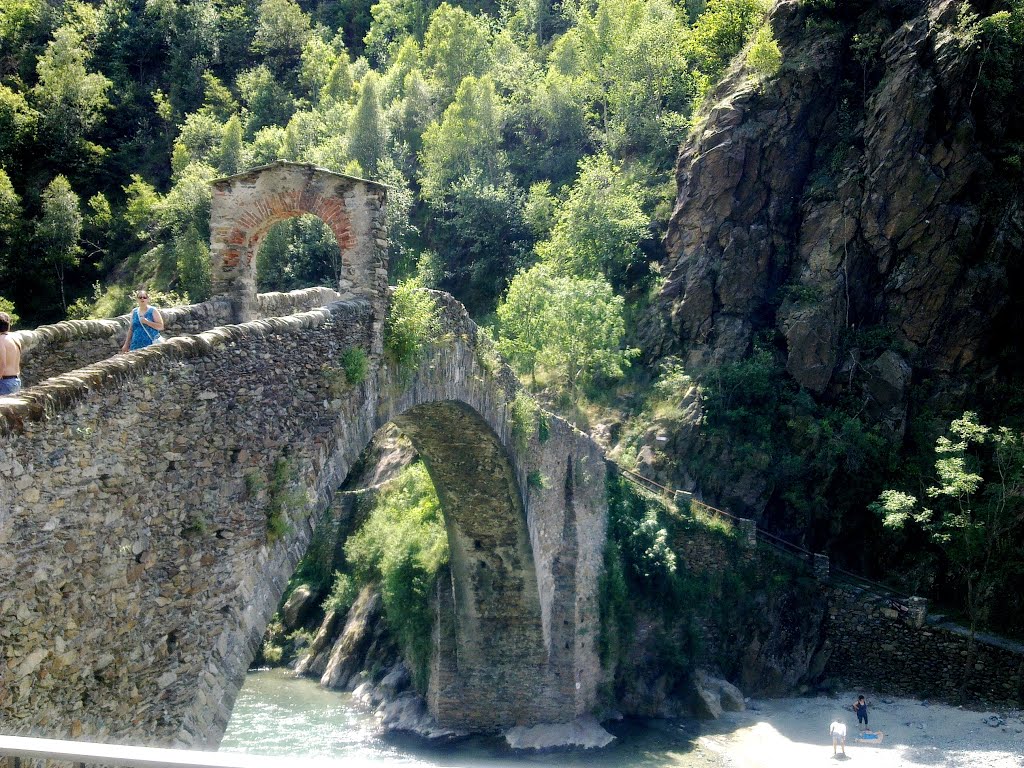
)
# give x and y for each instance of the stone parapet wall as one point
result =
(51, 350)
(275, 303)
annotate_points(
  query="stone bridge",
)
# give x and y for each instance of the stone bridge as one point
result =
(154, 504)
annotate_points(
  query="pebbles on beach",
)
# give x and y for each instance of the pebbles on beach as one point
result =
(794, 733)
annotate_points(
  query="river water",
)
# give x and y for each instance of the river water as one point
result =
(276, 714)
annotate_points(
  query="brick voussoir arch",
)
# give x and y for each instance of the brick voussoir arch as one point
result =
(246, 205)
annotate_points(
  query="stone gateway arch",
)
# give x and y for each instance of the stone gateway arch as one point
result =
(140, 496)
(245, 206)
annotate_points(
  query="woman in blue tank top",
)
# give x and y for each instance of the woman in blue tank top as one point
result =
(146, 324)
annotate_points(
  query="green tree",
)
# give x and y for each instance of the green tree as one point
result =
(193, 263)
(546, 128)
(266, 102)
(976, 512)
(407, 119)
(457, 45)
(571, 326)
(282, 29)
(198, 140)
(8, 307)
(18, 20)
(140, 209)
(10, 224)
(599, 227)
(191, 30)
(265, 146)
(70, 98)
(720, 33)
(394, 21)
(764, 56)
(631, 65)
(59, 228)
(482, 239)
(339, 87)
(229, 157)
(467, 139)
(217, 97)
(540, 209)
(187, 204)
(305, 131)
(319, 59)
(17, 125)
(367, 143)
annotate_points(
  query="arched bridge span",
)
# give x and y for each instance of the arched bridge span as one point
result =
(153, 505)
(137, 566)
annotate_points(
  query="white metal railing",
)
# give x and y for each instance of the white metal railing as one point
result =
(25, 752)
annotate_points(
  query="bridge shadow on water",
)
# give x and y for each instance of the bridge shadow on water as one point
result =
(639, 743)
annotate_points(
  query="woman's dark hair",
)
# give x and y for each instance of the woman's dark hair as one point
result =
(5, 322)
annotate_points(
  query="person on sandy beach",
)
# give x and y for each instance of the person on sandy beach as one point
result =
(838, 732)
(10, 358)
(860, 706)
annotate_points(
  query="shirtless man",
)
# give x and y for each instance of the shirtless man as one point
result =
(10, 358)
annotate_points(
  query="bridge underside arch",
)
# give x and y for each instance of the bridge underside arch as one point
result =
(490, 666)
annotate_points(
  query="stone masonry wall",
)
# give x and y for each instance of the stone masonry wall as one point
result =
(54, 349)
(875, 643)
(806, 631)
(139, 499)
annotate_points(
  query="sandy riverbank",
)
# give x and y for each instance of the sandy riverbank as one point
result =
(793, 733)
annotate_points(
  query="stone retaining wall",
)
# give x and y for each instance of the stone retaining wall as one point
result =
(874, 643)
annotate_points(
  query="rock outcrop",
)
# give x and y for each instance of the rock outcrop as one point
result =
(838, 196)
(854, 214)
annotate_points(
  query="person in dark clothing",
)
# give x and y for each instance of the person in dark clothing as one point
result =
(861, 708)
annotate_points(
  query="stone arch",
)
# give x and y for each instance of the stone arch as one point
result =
(491, 663)
(247, 204)
(168, 557)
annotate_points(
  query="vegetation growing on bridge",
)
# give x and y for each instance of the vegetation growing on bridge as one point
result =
(351, 372)
(412, 324)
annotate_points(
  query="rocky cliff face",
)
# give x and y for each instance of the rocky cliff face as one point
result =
(863, 191)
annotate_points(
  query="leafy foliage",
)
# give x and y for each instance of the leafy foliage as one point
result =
(974, 520)
(459, 107)
(571, 326)
(403, 546)
(413, 322)
(599, 228)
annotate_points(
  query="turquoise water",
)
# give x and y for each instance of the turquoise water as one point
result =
(280, 715)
